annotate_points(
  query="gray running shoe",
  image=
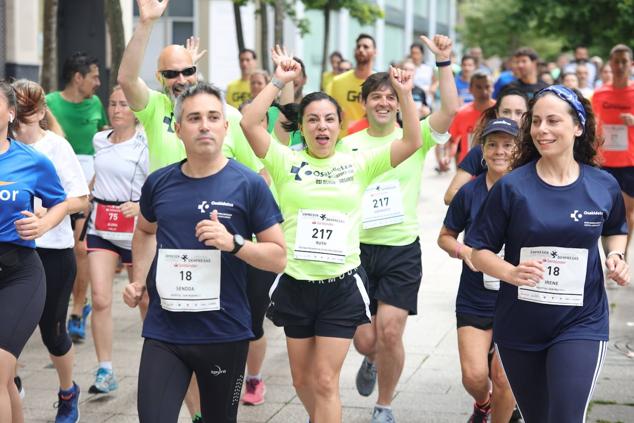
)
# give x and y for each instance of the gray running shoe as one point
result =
(366, 378)
(382, 415)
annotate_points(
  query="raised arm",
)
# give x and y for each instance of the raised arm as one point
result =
(403, 82)
(135, 90)
(286, 70)
(449, 102)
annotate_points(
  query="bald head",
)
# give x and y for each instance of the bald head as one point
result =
(174, 56)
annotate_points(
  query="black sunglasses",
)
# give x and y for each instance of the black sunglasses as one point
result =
(171, 74)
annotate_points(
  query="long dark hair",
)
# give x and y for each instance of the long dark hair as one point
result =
(493, 112)
(585, 147)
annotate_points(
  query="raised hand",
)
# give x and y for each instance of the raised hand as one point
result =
(440, 45)
(401, 80)
(151, 10)
(286, 68)
(192, 44)
(279, 53)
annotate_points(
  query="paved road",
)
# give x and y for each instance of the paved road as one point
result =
(429, 391)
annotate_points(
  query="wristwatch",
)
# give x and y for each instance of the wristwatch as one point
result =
(238, 242)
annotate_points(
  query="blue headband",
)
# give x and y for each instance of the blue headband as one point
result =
(570, 97)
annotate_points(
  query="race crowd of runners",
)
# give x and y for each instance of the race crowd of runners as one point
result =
(228, 206)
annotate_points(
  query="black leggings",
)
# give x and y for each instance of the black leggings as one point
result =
(22, 294)
(259, 283)
(166, 370)
(60, 268)
(554, 385)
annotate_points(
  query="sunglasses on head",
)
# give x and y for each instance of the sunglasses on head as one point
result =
(171, 74)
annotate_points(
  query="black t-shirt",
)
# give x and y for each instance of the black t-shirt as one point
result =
(528, 89)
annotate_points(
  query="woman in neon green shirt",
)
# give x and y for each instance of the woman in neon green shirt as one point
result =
(320, 299)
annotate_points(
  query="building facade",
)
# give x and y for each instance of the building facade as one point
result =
(82, 27)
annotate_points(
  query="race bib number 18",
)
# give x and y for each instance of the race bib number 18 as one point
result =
(564, 275)
(188, 280)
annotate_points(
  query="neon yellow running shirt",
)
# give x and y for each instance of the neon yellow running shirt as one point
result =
(387, 223)
(320, 201)
(164, 146)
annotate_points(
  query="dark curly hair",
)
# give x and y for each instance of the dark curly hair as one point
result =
(585, 146)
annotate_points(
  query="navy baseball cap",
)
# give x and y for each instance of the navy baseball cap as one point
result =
(505, 125)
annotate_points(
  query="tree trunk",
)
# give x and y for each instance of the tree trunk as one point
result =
(49, 56)
(324, 57)
(279, 22)
(114, 20)
(237, 17)
(264, 19)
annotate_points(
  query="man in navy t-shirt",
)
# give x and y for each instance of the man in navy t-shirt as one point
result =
(193, 233)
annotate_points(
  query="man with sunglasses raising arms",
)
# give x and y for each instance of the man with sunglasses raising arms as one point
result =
(176, 72)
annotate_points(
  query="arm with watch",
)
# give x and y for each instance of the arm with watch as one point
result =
(618, 269)
(269, 253)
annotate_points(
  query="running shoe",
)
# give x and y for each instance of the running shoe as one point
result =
(480, 415)
(198, 418)
(104, 382)
(18, 384)
(254, 392)
(76, 329)
(383, 415)
(68, 407)
(366, 378)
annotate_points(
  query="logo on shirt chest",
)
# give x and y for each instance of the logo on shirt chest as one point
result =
(590, 218)
(8, 194)
(353, 96)
(167, 120)
(332, 176)
(206, 207)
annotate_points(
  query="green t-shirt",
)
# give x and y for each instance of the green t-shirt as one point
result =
(320, 200)
(164, 146)
(404, 179)
(80, 121)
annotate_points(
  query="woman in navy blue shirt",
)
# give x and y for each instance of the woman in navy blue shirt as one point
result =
(24, 174)
(475, 301)
(511, 104)
(551, 315)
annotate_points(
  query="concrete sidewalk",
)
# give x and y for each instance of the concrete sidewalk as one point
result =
(430, 389)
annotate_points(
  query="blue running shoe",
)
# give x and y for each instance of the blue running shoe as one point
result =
(76, 329)
(86, 311)
(68, 406)
(104, 382)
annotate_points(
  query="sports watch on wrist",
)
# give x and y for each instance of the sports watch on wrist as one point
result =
(238, 242)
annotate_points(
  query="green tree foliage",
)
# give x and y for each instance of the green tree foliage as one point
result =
(599, 24)
(500, 27)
